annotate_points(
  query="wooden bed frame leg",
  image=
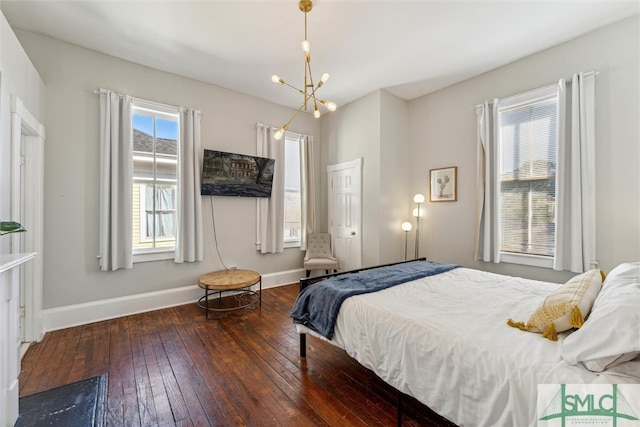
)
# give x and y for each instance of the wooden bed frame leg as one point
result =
(303, 345)
(399, 408)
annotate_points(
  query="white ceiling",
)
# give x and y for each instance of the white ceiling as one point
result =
(410, 48)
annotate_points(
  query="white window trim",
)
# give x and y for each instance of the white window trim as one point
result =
(143, 216)
(515, 101)
(165, 112)
(529, 97)
(287, 243)
(292, 242)
(159, 110)
(527, 259)
(146, 255)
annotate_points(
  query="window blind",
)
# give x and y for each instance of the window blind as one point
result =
(528, 152)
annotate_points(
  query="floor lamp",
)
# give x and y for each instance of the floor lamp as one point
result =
(406, 227)
(418, 199)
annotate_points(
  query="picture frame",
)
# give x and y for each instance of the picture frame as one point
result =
(444, 184)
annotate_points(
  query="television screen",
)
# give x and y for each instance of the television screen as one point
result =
(230, 174)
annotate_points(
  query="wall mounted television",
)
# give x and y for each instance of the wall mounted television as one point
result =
(231, 174)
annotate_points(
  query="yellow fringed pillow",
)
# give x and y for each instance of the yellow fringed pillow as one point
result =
(566, 307)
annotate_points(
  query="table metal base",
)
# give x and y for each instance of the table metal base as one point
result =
(245, 298)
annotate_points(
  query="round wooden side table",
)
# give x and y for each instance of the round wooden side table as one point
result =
(239, 281)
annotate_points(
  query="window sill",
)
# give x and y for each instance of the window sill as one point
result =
(531, 260)
(295, 244)
(286, 245)
(154, 256)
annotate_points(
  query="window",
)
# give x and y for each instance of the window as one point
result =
(536, 164)
(155, 159)
(527, 152)
(141, 143)
(283, 219)
(292, 200)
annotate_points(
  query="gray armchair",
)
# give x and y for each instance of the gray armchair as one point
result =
(319, 255)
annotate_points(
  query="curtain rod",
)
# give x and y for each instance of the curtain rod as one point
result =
(159, 104)
(588, 73)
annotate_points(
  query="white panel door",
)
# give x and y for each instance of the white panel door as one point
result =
(345, 212)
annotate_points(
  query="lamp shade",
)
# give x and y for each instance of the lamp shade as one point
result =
(418, 198)
(406, 226)
(415, 212)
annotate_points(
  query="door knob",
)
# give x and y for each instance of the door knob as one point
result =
(353, 233)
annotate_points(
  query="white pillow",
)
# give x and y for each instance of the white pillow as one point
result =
(611, 333)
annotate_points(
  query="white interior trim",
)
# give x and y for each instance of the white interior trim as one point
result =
(27, 199)
(527, 259)
(95, 311)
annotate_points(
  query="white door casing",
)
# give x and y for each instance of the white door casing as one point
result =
(345, 212)
(27, 198)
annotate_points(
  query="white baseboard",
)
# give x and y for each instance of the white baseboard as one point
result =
(273, 280)
(95, 311)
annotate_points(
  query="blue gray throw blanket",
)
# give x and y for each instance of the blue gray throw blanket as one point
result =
(317, 305)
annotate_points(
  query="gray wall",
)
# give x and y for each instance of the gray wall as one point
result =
(376, 128)
(399, 141)
(71, 74)
(18, 77)
(351, 132)
(395, 197)
(443, 133)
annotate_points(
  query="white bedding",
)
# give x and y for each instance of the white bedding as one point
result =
(444, 340)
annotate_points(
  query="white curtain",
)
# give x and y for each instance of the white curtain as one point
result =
(271, 210)
(189, 233)
(165, 201)
(307, 189)
(575, 180)
(487, 206)
(116, 178)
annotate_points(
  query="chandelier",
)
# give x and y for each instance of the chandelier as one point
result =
(310, 88)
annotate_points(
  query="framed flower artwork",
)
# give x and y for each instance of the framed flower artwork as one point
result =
(444, 184)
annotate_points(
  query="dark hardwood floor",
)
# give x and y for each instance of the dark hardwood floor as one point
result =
(172, 367)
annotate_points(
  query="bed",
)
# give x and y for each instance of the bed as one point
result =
(444, 339)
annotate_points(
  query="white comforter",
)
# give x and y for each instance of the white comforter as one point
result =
(444, 340)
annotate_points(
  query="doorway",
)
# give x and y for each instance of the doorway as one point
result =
(345, 212)
(27, 195)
